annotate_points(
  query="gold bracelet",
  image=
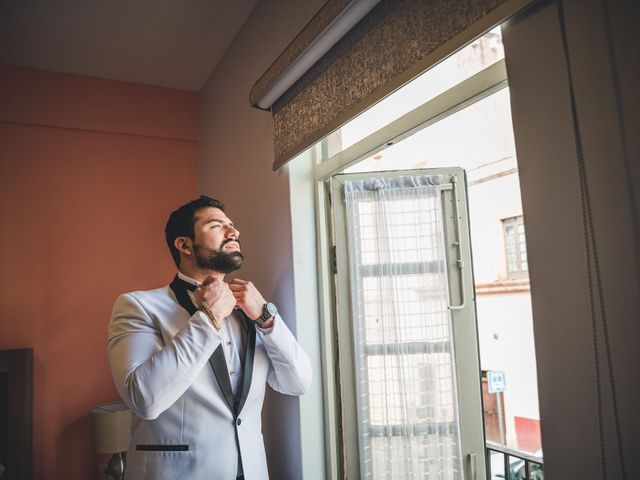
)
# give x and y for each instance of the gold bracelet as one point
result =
(209, 313)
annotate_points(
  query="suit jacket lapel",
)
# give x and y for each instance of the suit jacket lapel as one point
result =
(217, 361)
(219, 366)
(248, 361)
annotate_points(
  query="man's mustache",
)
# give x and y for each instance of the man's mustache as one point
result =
(230, 240)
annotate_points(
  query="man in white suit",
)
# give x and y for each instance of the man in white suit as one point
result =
(191, 359)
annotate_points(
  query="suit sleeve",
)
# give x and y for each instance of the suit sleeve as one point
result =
(290, 370)
(149, 375)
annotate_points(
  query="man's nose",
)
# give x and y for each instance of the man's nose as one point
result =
(232, 232)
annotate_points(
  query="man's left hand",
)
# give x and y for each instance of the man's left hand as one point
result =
(248, 298)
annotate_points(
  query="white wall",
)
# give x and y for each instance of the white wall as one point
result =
(235, 158)
(489, 203)
(505, 335)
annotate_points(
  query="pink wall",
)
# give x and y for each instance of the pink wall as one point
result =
(89, 171)
(528, 434)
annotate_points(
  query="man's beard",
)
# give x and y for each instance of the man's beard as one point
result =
(219, 260)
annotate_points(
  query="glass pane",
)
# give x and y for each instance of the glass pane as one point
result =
(394, 223)
(517, 469)
(536, 472)
(404, 366)
(480, 54)
(419, 456)
(404, 309)
(485, 151)
(496, 464)
(406, 391)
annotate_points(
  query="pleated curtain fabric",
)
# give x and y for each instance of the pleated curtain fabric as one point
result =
(408, 423)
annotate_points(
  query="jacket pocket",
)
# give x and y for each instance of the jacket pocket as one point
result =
(162, 448)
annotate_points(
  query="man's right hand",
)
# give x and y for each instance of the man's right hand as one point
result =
(217, 295)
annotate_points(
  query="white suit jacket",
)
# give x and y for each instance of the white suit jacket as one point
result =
(168, 369)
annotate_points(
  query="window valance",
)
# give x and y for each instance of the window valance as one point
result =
(394, 41)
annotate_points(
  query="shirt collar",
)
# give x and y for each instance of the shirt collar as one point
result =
(188, 279)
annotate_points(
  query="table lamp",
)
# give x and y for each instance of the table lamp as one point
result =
(111, 431)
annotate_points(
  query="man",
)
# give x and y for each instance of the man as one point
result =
(191, 359)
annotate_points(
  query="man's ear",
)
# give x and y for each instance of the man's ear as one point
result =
(184, 245)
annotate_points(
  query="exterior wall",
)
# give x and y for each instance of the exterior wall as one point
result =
(234, 164)
(489, 203)
(89, 170)
(505, 330)
(505, 323)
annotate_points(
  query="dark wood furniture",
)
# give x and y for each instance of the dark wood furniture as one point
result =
(16, 413)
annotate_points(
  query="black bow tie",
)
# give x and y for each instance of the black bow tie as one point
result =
(180, 289)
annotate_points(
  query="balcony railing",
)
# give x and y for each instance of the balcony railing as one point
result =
(506, 464)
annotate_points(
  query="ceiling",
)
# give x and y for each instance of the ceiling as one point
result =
(168, 43)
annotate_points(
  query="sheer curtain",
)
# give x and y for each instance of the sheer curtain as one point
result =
(406, 391)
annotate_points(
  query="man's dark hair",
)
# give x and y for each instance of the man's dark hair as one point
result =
(182, 220)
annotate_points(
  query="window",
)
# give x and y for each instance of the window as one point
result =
(382, 380)
(515, 248)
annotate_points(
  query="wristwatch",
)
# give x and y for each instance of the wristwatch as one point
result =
(268, 310)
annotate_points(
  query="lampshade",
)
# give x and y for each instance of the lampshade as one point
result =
(111, 427)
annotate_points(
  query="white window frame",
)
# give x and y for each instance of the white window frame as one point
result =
(321, 441)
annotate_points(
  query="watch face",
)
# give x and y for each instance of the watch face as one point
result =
(271, 309)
